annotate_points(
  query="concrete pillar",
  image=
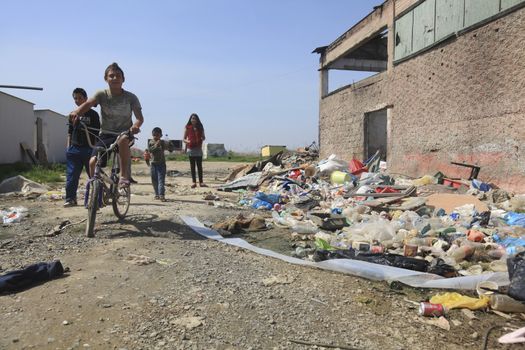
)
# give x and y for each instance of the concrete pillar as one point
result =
(323, 82)
(391, 15)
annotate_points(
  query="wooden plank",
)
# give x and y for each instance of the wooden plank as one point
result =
(29, 152)
(450, 201)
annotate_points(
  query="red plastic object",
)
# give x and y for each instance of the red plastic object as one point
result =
(356, 167)
(452, 183)
(294, 174)
(386, 190)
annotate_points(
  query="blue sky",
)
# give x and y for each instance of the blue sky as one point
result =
(244, 66)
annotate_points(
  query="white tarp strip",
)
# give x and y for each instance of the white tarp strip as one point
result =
(360, 268)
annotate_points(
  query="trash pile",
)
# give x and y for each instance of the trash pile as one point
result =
(357, 210)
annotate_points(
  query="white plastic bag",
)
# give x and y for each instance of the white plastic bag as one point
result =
(327, 166)
(13, 215)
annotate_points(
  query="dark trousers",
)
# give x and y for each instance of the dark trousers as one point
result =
(158, 178)
(196, 161)
(77, 158)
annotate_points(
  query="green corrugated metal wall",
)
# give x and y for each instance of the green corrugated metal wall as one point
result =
(433, 20)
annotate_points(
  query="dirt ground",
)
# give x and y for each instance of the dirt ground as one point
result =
(200, 294)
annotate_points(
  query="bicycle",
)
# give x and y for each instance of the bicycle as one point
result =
(103, 189)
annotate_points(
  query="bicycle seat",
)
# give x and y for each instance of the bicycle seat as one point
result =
(100, 149)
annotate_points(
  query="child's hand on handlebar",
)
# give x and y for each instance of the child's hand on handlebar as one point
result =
(135, 129)
(74, 118)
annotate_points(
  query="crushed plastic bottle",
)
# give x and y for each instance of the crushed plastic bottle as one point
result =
(305, 228)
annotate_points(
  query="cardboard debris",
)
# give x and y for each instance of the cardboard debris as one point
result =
(449, 201)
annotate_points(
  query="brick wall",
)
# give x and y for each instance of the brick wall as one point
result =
(463, 100)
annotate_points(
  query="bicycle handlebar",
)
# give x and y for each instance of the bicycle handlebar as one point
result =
(120, 134)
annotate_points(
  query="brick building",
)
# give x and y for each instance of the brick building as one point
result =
(450, 87)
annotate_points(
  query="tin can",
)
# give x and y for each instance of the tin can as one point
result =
(376, 249)
(429, 309)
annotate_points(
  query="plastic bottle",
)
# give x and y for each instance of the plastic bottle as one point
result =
(462, 252)
(278, 220)
(504, 303)
(305, 228)
(421, 242)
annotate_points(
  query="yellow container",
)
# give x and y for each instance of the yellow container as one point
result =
(268, 150)
(339, 177)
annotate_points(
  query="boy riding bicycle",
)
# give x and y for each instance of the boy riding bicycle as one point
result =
(116, 107)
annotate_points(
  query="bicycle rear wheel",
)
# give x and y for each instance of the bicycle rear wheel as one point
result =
(121, 200)
(92, 206)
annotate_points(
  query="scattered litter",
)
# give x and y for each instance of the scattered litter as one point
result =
(518, 336)
(140, 259)
(58, 229)
(52, 196)
(13, 215)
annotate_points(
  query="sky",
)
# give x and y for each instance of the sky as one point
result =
(245, 67)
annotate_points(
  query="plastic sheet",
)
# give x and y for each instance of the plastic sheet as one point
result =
(13, 215)
(360, 268)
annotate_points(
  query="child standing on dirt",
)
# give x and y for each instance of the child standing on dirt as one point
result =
(193, 139)
(78, 147)
(156, 148)
(116, 108)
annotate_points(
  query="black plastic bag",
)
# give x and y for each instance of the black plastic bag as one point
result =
(516, 268)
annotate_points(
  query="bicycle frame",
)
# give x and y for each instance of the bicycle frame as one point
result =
(103, 188)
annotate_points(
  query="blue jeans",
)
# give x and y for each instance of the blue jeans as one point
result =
(77, 157)
(158, 177)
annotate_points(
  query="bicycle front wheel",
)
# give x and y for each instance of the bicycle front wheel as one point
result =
(92, 206)
(121, 199)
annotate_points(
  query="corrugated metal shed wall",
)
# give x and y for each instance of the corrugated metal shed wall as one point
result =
(433, 20)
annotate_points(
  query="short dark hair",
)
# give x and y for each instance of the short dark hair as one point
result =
(156, 130)
(113, 66)
(80, 91)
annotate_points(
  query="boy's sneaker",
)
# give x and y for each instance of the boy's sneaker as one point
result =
(162, 199)
(70, 203)
(156, 197)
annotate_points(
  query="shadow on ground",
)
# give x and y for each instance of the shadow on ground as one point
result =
(150, 225)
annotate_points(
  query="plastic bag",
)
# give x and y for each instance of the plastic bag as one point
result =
(13, 215)
(259, 204)
(425, 180)
(516, 268)
(271, 198)
(327, 166)
(458, 301)
(515, 219)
